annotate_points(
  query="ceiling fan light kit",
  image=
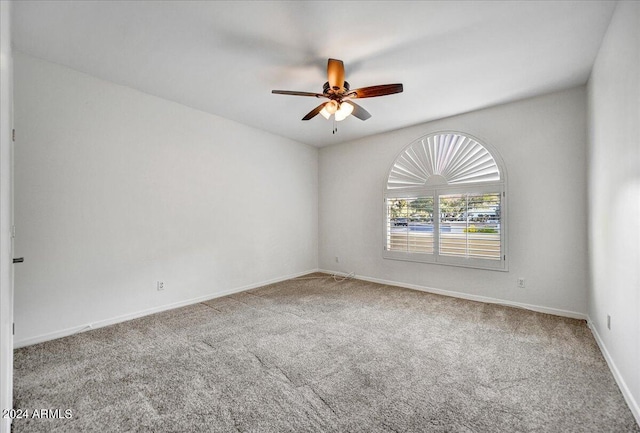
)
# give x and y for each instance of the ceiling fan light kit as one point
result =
(344, 111)
(340, 110)
(337, 90)
(329, 108)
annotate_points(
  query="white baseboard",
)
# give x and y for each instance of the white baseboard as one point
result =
(631, 401)
(112, 321)
(6, 425)
(461, 295)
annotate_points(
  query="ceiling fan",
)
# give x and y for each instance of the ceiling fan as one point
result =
(340, 96)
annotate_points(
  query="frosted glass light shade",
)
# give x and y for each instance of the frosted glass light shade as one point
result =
(344, 111)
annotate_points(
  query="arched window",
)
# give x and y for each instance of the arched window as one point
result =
(445, 202)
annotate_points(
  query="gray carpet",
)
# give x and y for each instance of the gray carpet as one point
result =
(317, 355)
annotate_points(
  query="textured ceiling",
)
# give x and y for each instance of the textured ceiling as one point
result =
(226, 57)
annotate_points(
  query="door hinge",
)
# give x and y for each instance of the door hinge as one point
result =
(13, 329)
(13, 134)
(504, 257)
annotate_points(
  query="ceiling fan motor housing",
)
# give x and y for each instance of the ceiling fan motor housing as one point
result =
(327, 87)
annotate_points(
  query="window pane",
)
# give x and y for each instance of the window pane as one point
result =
(410, 224)
(470, 225)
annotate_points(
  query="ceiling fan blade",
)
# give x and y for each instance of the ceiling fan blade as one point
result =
(373, 91)
(313, 113)
(335, 74)
(358, 111)
(294, 93)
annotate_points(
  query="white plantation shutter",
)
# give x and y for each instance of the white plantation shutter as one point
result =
(445, 203)
(473, 230)
(409, 232)
(450, 159)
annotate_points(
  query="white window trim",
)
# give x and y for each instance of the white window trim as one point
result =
(435, 191)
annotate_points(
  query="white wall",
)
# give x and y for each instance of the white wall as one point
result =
(6, 265)
(614, 198)
(116, 189)
(543, 144)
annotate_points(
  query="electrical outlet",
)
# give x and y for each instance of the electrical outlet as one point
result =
(521, 283)
(609, 322)
(160, 285)
(337, 259)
